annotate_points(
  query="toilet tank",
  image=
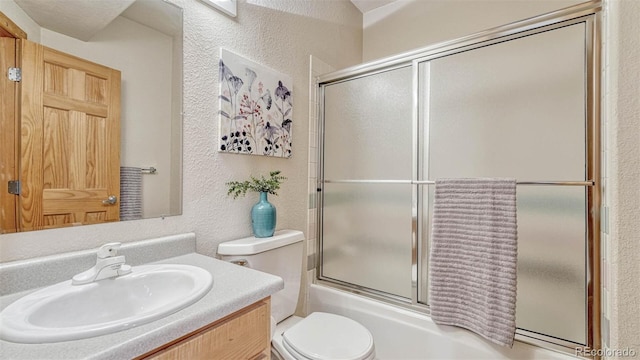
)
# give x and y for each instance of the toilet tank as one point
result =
(280, 255)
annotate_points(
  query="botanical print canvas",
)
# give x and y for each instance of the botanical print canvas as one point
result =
(255, 108)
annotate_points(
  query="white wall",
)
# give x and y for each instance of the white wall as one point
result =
(409, 24)
(279, 34)
(175, 182)
(622, 139)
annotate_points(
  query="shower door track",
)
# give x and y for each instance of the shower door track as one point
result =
(588, 13)
(431, 182)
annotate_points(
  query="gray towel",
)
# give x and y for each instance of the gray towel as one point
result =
(130, 193)
(473, 257)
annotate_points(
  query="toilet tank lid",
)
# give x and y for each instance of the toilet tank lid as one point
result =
(253, 245)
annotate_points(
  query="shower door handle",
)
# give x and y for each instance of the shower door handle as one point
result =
(111, 200)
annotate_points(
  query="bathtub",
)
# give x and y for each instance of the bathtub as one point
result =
(402, 334)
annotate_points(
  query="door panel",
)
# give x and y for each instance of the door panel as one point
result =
(517, 109)
(71, 140)
(367, 227)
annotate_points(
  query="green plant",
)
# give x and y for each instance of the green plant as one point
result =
(262, 184)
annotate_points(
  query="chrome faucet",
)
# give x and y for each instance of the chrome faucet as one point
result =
(108, 265)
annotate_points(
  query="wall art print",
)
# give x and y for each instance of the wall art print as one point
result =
(256, 108)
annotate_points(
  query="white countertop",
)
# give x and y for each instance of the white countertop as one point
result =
(234, 287)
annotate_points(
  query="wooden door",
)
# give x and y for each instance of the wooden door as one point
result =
(8, 137)
(70, 140)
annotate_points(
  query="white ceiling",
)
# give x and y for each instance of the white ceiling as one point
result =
(82, 19)
(162, 16)
(367, 5)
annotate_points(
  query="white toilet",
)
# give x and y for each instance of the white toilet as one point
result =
(319, 336)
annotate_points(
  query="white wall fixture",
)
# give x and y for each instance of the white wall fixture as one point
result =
(256, 108)
(229, 7)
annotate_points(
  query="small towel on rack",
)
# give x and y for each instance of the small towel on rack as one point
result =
(130, 193)
(474, 255)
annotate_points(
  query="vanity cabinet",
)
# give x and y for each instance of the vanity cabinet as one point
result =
(244, 334)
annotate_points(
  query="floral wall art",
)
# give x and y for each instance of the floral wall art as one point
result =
(255, 108)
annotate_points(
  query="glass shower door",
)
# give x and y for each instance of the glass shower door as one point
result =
(519, 102)
(367, 194)
(517, 109)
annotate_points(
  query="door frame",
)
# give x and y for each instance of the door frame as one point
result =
(10, 126)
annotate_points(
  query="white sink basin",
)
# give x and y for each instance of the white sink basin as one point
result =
(64, 312)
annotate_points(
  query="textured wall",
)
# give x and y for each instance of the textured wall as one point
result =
(409, 24)
(623, 193)
(280, 34)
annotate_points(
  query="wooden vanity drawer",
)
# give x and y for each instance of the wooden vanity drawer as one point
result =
(244, 334)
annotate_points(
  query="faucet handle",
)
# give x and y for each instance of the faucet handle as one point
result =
(108, 250)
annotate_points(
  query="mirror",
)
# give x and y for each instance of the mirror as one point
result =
(143, 40)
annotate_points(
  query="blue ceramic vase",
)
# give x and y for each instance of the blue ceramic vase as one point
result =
(263, 217)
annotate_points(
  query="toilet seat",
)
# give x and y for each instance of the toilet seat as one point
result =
(324, 336)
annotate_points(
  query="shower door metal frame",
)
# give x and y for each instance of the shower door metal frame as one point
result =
(587, 13)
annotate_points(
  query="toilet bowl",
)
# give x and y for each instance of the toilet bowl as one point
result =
(319, 336)
(322, 336)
